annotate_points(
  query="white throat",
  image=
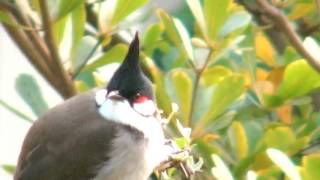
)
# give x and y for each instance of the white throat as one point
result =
(148, 153)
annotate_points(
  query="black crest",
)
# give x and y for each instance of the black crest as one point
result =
(129, 79)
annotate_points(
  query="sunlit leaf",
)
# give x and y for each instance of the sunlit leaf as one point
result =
(285, 164)
(220, 170)
(30, 92)
(251, 175)
(312, 46)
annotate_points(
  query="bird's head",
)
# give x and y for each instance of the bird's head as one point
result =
(129, 85)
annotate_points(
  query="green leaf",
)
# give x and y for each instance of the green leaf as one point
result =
(179, 88)
(177, 33)
(30, 92)
(213, 75)
(225, 93)
(124, 8)
(9, 168)
(216, 12)
(272, 100)
(238, 140)
(310, 167)
(185, 38)
(116, 54)
(15, 111)
(68, 32)
(279, 137)
(65, 7)
(299, 79)
(197, 12)
(221, 122)
(152, 35)
(236, 21)
(78, 17)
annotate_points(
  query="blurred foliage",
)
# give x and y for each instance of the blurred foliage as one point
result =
(249, 109)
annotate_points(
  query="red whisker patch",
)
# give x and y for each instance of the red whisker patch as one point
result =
(141, 99)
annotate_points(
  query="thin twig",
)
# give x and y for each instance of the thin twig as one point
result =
(66, 83)
(83, 64)
(196, 85)
(282, 21)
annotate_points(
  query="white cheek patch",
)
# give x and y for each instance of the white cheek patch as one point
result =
(101, 96)
(146, 108)
(122, 112)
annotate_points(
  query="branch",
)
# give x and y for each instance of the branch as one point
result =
(196, 84)
(27, 48)
(31, 32)
(66, 83)
(282, 22)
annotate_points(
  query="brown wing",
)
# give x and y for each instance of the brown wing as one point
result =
(70, 141)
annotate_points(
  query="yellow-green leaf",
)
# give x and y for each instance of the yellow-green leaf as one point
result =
(66, 7)
(213, 75)
(180, 90)
(299, 79)
(124, 8)
(238, 140)
(301, 10)
(264, 49)
(225, 93)
(280, 138)
(216, 12)
(310, 167)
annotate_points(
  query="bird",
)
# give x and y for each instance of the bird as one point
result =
(110, 133)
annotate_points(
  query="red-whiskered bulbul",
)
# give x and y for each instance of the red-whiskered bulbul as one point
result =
(111, 133)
